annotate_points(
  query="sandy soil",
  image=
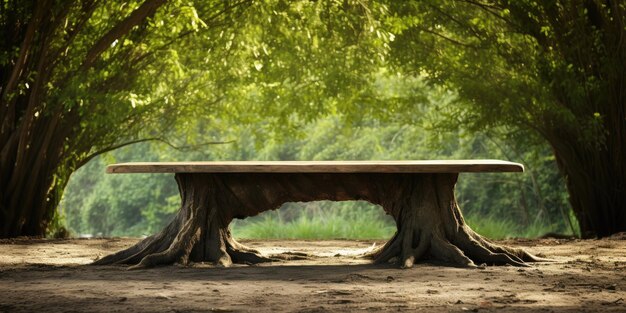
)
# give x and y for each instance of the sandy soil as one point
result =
(51, 275)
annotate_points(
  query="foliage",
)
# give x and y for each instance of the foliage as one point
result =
(58, 227)
(548, 70)
(114, 205)
(80, 78)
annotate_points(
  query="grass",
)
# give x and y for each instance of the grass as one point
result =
(359, 220)
(494, 227)
(323, 220)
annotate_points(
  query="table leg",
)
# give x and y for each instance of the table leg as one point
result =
(198, 233)
(431, 226)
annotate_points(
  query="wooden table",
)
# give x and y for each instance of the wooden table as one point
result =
(418, 194)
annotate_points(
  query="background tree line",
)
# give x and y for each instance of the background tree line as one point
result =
(499, 205)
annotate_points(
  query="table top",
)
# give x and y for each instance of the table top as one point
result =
(413, 166)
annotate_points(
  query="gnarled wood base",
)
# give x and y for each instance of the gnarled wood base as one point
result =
(198, 233)
(430, 224)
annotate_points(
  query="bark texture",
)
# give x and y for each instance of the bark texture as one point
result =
(596, 182)
(430, 224)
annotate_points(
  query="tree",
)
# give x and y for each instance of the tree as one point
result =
(73, 85)
(79, 78)
(553, 69)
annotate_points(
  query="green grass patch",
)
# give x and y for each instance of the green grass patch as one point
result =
(323, 220)
(361, 220)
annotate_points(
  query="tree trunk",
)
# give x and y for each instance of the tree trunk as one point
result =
(430, 224)
(29, 209)
(31, 188)
(39, 122)
(596, 184)
(588, 131)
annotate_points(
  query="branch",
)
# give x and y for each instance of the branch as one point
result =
(454, 41)
(490, 10)
(188, 32)
(147, 9)
(158, 139)
(87, 11)
(458, 22)
(7, 111)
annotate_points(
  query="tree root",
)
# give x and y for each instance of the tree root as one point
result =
(290, 256)
(466, 249)
(430, 226)
(198, 233)
(183, 249)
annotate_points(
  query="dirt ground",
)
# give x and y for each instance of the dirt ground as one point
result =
(53, 275)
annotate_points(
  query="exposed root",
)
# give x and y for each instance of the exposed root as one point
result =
(430, 226)
(289, 255)
(458, 251)
(199, 233)
(178, 251)
(443, 250)
(523, 255)
(244, 255)
(225, 252)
